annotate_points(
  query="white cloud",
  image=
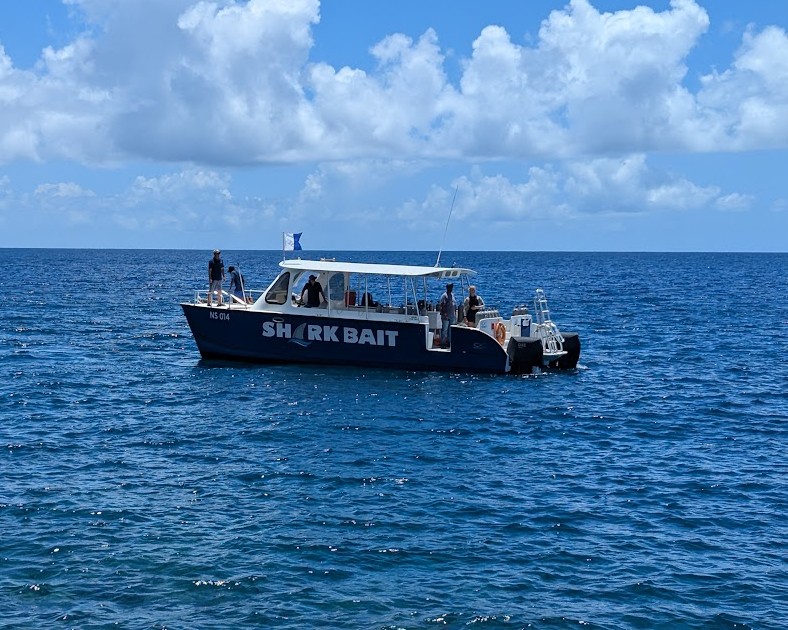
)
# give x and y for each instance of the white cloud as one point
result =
(368, 200)
(564, 192)
(559, 192)
(389, 114)
(351, 190)
(482, 198)
(185, 200)
(734, 202)
(182, 186)
(63, 190)
(65, 203)
(6, 195)
(181, 201)
(595, 82)
(228, 83)
(780, 205)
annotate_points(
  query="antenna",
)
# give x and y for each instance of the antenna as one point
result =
(446, 229)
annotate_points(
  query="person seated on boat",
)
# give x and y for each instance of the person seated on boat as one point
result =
(314, 293)
(447, 307)
(472, 305)
(366, 300)
(236, 283)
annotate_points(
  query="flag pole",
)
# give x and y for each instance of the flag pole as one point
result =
(283, 246)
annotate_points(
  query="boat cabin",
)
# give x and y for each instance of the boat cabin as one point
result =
(363, 291)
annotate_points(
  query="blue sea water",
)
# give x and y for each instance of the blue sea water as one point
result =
(141, 487)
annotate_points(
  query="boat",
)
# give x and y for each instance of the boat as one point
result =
(400, 330)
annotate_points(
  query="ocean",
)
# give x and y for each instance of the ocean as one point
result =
(142, 487)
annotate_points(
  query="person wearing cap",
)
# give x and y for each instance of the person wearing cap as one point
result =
(447, 307)
(215, 277)
(314, 293)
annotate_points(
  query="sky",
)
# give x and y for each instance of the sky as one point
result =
(584, 125)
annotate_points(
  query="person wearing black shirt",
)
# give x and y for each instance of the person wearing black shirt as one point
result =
(314, 293)
(215, 277)
(472, 305)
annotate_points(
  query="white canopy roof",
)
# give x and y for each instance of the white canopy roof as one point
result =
(370, 268)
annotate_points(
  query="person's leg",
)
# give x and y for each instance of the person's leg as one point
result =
(444, 333)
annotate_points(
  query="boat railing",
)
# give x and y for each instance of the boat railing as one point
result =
(545, 329)
(250, 297)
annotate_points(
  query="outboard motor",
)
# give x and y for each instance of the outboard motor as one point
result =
(525, 353)
(572, 349)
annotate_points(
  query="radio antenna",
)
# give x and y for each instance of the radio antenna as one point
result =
(446, 229)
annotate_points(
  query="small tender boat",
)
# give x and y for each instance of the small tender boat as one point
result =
(400, 329)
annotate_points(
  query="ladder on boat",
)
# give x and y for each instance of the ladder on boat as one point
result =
(552, 340)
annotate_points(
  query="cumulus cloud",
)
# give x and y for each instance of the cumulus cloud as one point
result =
(222, 83)
(66, 203)
(6, 194)
(606, 186)
(750, 98)
(62, 190)
(780, 205)
(181, 187)
(734, 202)
(390, 113)
(368, 200)
(191, 199)
(556, 192)
(552, 128)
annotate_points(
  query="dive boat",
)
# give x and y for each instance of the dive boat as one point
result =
(349, 327)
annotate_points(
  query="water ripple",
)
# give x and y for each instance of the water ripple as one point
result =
(143, 487)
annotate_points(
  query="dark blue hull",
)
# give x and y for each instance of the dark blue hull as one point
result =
(256, 336)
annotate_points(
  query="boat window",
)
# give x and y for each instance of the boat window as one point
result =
(277, 294)
(336, 287)
(300, 278)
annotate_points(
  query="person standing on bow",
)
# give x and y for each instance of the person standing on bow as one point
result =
(215, 277)
(447, 307)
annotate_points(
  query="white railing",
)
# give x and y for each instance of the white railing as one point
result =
(250, 296)
(545, 329)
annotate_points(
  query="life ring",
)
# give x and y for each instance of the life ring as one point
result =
(499, 330)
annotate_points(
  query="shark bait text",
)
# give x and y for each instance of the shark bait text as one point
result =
(335, 334)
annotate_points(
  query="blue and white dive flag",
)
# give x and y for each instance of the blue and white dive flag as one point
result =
(291, 242)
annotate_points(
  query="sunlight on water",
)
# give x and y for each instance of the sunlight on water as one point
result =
(146, 488)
